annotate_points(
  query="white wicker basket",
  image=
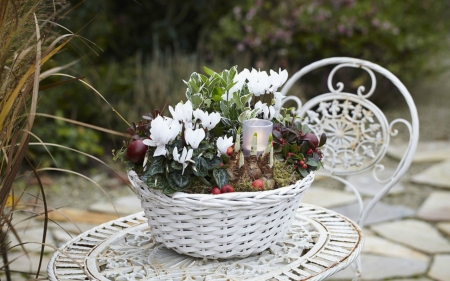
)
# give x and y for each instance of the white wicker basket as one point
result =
(230, 225)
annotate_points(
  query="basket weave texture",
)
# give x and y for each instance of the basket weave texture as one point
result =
(230, 225)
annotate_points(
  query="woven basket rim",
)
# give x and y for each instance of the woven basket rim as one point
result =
(225, 196)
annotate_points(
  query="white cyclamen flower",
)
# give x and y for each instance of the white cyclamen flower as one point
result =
(258, 82)
(162, 131)
(223, 143)
(208, 121)
(182, 112)
(277, 79)
(268, 111)
(278, 100)
(194, 137)
(184, 158)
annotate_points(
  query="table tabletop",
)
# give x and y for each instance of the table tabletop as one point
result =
(319, 243)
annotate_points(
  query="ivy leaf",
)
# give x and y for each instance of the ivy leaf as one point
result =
(200, 168)
(220, 176)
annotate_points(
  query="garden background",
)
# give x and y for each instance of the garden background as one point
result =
(136, 54)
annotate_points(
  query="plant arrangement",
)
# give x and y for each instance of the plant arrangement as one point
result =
(211, 143)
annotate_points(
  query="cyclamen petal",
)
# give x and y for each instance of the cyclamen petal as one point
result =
(185, 156)
(194, 137)
(182, 112)
(213, 120)
(223, 143)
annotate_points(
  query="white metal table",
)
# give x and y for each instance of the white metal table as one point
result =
(319, 243)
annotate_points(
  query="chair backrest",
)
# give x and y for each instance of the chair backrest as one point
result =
(358, 131)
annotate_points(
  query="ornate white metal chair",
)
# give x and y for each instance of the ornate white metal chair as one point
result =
(358, 131)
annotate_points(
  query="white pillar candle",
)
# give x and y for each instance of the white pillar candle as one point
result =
(263, 129)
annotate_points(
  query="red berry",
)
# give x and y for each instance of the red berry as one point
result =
(258, 184)
(136, 151)
(215, 190)
(229, 151)
(313, 140)
(301, 163)
(304, 166)
(227, 188)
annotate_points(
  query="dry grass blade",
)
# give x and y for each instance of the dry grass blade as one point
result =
(83, 124)
(85, 177)
(44, 201)
(85, 154)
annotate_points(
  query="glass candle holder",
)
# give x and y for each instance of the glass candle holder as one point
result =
(262, 128)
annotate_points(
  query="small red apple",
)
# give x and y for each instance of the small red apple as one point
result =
(136, 151)
(313, 140)
(258, 184)
(215, 190)
(227, 188)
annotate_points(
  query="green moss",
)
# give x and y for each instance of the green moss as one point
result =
(284, 174)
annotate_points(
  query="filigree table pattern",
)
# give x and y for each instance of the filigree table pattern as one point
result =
(318, 244)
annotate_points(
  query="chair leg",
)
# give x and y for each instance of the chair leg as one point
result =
(358, 269)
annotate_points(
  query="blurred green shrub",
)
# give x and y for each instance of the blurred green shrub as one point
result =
(405, 36)
(71, 136)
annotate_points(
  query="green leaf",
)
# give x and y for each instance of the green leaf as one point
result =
(246, 98)
(312, 162)
(303, 172)
(157, 166)
(285, 149)
(157, 182)
(305, 129)
(196, 100)
(208, 71)
(176, 166)
(323, 139)
(179, 181)
(200, 167)
(208, 155)
(220, 176)
(217, 94)
(214, 162)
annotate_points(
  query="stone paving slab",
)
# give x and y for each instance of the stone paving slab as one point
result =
(444, 227)
(436, 207)
(32, 239)
(436, 175)
(416, 234)
(440, 269)
(22, 263)
(366, 184)
(426, 151)
(327, 198)
(382, 247)
(376, 267)
(124, 206)
(381, 212)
